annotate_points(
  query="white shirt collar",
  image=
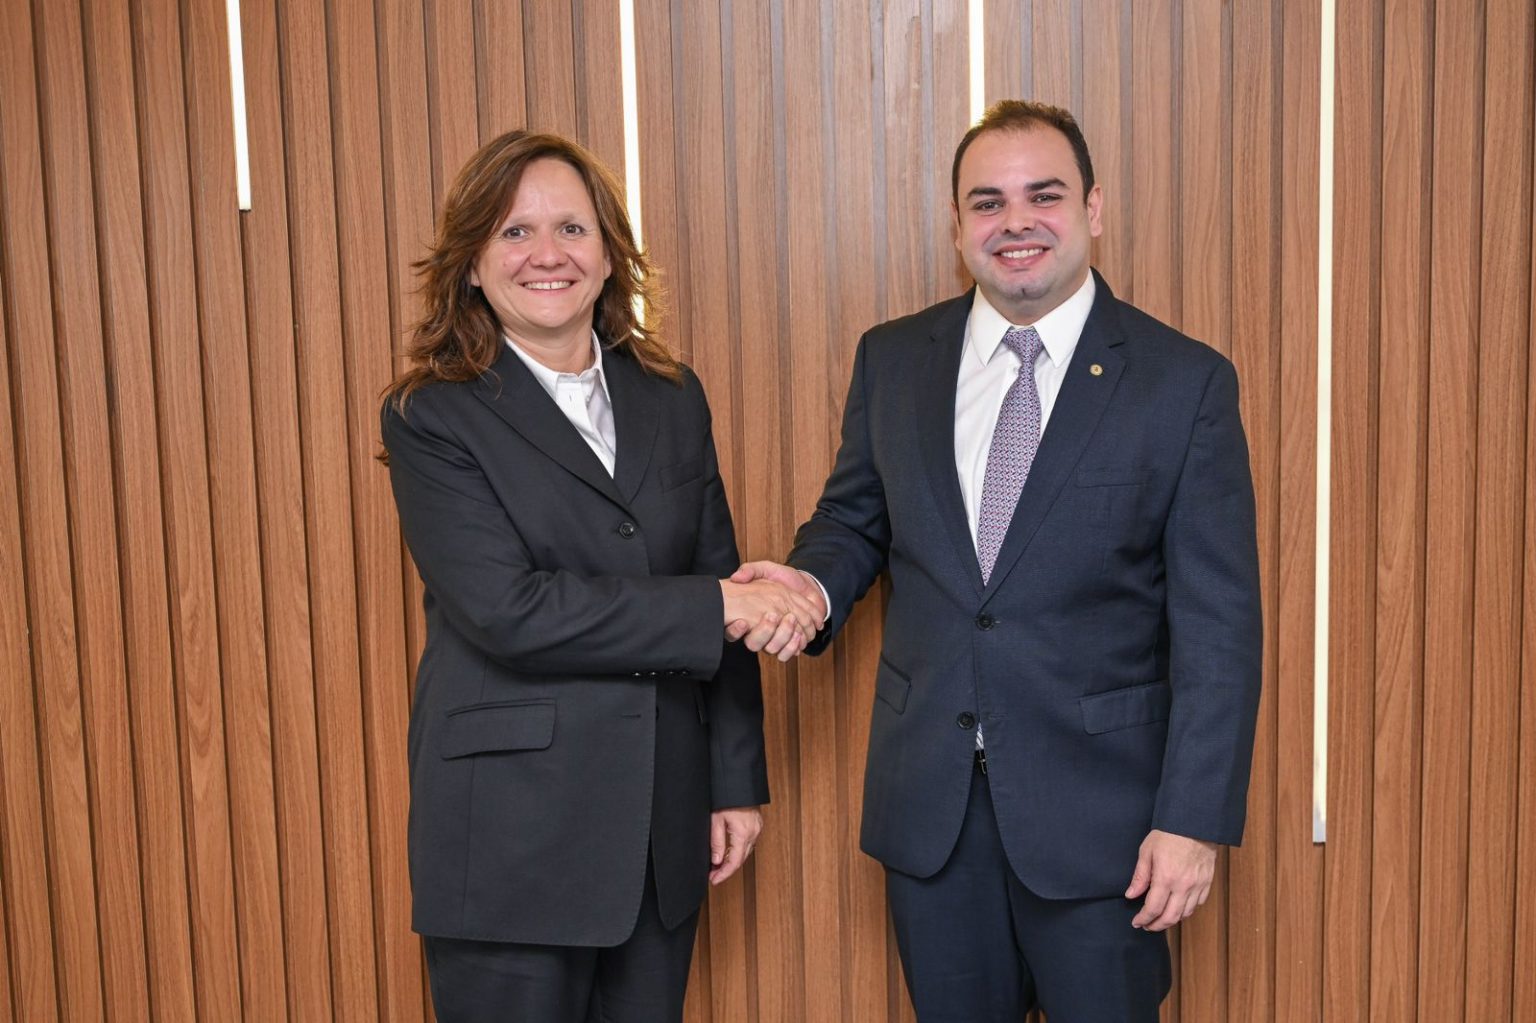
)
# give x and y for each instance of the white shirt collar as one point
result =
(550, 378)
(1059, 329)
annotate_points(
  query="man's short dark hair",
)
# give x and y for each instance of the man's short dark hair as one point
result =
(1025, 115)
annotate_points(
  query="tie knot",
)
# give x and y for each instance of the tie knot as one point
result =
(1025, 342)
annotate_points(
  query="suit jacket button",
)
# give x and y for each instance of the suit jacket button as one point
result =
(985, 621)
(966, 720)
(626, 529)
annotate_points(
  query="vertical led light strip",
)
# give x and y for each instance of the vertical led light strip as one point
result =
(237, 102)
(631, 117)
(978, 54)
(1324, 424)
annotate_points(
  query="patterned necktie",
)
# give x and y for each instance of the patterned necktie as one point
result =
(1014, 442)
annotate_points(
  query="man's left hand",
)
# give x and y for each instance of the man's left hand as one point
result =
(1174, 873)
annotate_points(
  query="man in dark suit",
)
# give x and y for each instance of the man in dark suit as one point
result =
(1059, 487)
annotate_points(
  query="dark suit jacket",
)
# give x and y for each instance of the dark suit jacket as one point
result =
(576, 702)
(1114, 656)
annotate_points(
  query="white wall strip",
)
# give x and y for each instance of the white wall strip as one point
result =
(1324, 423)
(978, 55)
(237, 101)
(631, 116)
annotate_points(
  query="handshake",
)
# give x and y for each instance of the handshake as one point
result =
(772, 608)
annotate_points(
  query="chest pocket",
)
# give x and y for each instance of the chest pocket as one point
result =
(679, 473)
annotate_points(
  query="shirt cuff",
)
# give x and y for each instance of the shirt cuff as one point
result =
(825, 600)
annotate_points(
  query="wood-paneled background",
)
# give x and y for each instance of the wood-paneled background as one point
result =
(209, 623)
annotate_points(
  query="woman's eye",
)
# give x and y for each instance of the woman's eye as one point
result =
(512, 232)
(574, 229)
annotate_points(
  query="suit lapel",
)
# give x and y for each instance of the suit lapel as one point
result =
(522, 403)
(635, 419)
(1085, 394)
(935, 385)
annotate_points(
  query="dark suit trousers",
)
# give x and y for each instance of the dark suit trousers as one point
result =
(640, 981)
(979, 947)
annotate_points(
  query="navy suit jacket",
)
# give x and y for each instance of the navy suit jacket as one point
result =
(1113, 658)
(576, 704)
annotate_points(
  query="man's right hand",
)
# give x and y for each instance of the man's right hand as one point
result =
(781, 640)
(770, 615)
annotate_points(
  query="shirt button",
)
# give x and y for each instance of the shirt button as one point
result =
(626, 529)
(985, 621)
(966, 720)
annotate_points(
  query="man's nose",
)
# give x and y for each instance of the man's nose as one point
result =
(1020, 218)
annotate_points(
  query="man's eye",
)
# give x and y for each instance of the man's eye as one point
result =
(1046, 197)
(987, 206)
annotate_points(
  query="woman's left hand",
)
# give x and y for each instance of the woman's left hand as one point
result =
(732, 834)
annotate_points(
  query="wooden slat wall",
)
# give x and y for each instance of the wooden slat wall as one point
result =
(1429, 864)
(209, 625)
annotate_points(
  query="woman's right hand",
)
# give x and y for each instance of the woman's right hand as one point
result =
(776, 618)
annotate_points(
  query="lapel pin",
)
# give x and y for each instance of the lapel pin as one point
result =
(1096, 370)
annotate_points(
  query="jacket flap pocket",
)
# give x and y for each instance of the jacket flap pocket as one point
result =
(495, 727)
(892, 686)
(1126, 708)
(682, 472)
(1113, 477)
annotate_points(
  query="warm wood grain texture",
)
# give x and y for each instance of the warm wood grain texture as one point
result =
(1352, 570)
(209, 626)
(1451, 517)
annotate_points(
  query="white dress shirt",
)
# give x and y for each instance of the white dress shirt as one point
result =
(988, 368)
(583, 397)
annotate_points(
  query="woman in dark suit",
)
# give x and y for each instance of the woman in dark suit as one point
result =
(586, 747)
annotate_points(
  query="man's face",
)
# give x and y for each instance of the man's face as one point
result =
(1022, 223)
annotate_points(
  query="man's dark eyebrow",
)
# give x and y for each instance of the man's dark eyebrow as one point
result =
(1033, 186)
(1053, 183)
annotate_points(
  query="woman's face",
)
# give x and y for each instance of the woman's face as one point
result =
(544, 268)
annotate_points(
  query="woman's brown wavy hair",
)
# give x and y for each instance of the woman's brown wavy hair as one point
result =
(458, 336)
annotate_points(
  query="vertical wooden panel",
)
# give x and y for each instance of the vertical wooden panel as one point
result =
(1103, 118)
(1205, 303)
(599, 84)
(1494, 961)
(549, 64)
(500, 61)
(1525, 878)
(819, 375)
(185, 487)
(161, 958)
(269, 270)
(1151, 200)
(1401, 512)
(405, 121)
(370, 703)
(26, 872)
(1054, 53)
(762, 105)
(88, 467)
(44, 521)
(1352, 572)
(1298, 886)
(945, 80)
(1453, 473)
(1007, 25)
(236, 546)
(1253, 196)
(452, 107)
